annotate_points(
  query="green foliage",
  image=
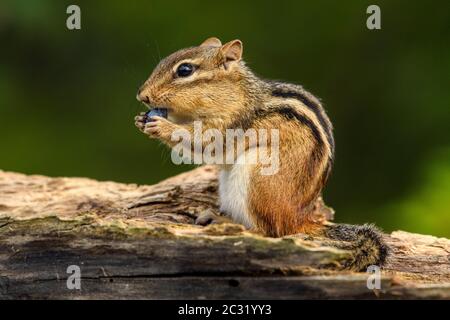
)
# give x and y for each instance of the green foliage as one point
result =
(430, 200)
(67, 98)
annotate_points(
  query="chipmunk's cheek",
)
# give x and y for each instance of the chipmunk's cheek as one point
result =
(175, 110)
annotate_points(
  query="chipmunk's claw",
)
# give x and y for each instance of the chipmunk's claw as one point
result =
(139, 121)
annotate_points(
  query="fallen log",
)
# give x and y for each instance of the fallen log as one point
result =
(132, 241)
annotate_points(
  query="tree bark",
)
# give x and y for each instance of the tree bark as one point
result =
(133, 241)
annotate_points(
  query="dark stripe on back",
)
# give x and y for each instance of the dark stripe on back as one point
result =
(291, 114)
(286, 111)
(317, 153)
(314, 107)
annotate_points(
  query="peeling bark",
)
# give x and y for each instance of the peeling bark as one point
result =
(140, 242)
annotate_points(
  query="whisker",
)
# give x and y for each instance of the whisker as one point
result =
(157, 49)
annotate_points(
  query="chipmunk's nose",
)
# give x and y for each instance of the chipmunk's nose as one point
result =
(142, 96)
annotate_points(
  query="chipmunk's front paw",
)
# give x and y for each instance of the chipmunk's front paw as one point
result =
(209, 217)
(160, 128)
(140, 120)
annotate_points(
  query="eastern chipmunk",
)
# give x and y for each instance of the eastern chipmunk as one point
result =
(212, 84)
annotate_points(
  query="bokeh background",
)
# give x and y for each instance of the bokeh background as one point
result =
(67, 98)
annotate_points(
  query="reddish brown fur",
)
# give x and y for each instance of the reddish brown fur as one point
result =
(224, 93)
(282, 203)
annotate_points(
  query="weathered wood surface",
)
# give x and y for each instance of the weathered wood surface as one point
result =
(140, 242)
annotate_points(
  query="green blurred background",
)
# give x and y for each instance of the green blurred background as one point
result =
(67, 98)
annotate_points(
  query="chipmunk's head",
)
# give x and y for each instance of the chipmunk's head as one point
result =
(197, 82)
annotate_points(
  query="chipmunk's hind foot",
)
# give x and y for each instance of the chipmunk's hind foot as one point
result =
(210, 217)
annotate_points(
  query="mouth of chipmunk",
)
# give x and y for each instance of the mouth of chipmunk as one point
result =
(162, 110)
(157, 111)
(168, 113)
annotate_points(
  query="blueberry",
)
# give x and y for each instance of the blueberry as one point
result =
(160, 112)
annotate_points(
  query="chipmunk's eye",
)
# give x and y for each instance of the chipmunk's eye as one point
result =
(185, 70)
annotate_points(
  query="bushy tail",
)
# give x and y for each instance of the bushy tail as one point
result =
(365, 241)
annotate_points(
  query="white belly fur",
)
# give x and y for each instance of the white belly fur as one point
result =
(233, 193)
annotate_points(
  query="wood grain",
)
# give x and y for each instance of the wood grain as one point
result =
(140, 242)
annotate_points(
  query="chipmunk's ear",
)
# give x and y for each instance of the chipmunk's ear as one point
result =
(211, 42)
(232, 51)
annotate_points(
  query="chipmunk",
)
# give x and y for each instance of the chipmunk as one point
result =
(211, 83)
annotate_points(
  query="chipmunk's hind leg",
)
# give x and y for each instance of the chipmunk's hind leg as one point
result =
(275, 207)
